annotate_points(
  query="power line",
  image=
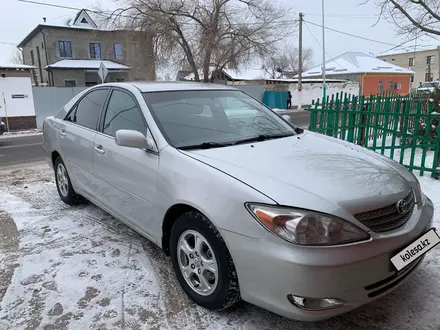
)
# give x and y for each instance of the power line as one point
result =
(403, 43)
(345, 16)
(351, 35)
(110, 13)
(7, 43)
(316, 39)
(56, 6)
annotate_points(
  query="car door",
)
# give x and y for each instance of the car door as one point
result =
(125, 178)
(77, 136)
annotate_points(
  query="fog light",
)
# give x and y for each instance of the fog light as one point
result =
(315, 304)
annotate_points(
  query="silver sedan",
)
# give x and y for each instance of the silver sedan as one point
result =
(247, 205)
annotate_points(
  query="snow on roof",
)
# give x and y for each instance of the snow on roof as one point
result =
(87, 64)
(409, 49)
(420, 44)
(247, 74)
(295, 80)
(355, 62)
(81, 20)
(236, 74)
(16, 66)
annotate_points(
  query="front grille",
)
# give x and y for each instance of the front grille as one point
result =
(387, 218)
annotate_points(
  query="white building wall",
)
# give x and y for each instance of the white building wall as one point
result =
(313, 91)
(16, 98)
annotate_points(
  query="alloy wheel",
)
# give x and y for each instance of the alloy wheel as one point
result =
(197, 262)
(62, 180)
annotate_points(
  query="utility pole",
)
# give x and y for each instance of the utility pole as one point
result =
(324, 87)
(300, 52)
(300, 60)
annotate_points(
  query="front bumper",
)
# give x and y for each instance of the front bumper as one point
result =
(269, 269)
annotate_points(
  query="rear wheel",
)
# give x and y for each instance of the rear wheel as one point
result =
(202, 263)
(64, 186)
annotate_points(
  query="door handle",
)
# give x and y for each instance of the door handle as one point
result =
(99, 149)
(63, 133)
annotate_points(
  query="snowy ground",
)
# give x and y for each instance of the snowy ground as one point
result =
(78, 268)
(21, 133)
(288, 110)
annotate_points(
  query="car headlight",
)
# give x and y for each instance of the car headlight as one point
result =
(305, 227)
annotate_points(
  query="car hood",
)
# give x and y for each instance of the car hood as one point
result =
(314, 171)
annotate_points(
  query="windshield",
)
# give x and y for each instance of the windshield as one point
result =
(212, 117)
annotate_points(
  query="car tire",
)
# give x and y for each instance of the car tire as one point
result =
(64, 186)
(223, 291)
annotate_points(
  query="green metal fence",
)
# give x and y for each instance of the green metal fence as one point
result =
(402, 128)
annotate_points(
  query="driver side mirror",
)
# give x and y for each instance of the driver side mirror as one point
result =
(134, 139)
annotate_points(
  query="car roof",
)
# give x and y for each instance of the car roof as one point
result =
(170, 86)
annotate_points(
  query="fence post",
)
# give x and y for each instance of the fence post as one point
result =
(351, 119)
(402, 111)
(364, 108)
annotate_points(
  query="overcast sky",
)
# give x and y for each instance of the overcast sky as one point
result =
(18, 19)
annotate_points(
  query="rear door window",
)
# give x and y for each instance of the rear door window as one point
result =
(89, 109)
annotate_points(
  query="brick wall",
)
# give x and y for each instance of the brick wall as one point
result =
(37, 41)
(370, 83)
(20, 123)
(143, 65)
(60, 77)
(15, 73)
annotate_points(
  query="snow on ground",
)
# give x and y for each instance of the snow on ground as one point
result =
(21, 133)
(288, 110)
(77, 267)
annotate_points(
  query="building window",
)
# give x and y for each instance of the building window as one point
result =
(95, 50)
(412, 78)
(411, 61)
(65, 48)
(430, 59)
(136, 50)
(118, 51)
(380, 86)
(399, 87)
(120, 79)
(70, 83)
(429, 76)
(391, 85)
(32, 57)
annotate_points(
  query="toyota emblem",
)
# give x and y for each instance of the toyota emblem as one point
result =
(402, 206)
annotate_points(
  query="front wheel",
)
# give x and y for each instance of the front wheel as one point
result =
(202, 263)
(64, 186)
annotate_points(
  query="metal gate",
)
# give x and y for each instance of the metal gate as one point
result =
(49, 100)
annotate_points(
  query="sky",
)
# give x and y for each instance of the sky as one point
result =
(19, 18)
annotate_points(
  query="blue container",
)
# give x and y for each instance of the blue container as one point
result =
(275, 99)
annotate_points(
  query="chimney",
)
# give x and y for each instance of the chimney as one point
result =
(44, 19)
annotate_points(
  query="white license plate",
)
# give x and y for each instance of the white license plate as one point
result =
(416, 249)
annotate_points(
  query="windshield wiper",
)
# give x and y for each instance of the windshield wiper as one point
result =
(263, 137)
(205, 145)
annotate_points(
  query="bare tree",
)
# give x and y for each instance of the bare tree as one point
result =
(411, 16)
(286, 61)
(205, 33)
(16, 56)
